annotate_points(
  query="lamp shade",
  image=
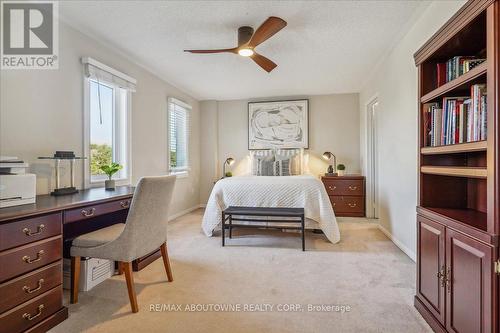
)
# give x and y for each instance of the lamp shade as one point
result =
(327, 155)
(229, 161)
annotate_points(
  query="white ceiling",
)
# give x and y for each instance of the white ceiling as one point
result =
(327, 47)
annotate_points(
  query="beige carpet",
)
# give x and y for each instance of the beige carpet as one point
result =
(365, 272)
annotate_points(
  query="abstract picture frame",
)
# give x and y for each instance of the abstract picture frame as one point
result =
(278, 124)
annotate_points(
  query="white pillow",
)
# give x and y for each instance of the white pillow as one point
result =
(295, 160)
(282, 167)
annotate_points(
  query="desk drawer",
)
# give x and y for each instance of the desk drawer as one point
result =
(28, 286)
(344, 187)
(29, 230)
(348, 204)
(32, 312)
(91, 211)
(20, 260)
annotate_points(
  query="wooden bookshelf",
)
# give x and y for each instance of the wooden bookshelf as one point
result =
(472, 172)
(455, 149)
(470, 217)
(458, 212)
(460, 83)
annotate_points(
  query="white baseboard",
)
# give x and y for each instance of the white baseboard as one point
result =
(398, 243)
(365, 220)
(203, 205)
(184, 212)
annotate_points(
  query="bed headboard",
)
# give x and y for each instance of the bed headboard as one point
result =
(296, 156)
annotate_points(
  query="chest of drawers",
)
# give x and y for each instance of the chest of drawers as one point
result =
(31, 273)
(347, 194)
(31, 251)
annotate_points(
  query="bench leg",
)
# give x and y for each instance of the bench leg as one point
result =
(230, 226)
(303, 225)
(223, 228)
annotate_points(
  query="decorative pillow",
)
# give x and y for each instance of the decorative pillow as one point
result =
(282, 167)
(255, 162)
(294, 161)
(266, 167)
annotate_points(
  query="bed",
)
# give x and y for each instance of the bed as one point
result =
(273, 191)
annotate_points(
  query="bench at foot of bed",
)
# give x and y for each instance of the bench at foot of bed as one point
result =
(251, 215)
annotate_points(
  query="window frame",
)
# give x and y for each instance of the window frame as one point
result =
(124, 152)
(184, 171)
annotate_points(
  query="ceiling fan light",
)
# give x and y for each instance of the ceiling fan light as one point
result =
(245, 52)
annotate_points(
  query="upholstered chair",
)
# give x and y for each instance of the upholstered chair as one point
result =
(145, 230)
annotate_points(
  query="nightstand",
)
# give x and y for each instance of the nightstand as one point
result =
(347, 194)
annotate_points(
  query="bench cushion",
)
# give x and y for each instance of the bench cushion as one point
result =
(265, 211)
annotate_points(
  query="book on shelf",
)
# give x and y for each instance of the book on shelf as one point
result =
(456, 119)
(456, 66)
(441, 74)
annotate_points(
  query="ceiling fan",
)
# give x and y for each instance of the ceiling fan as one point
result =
(248, 40)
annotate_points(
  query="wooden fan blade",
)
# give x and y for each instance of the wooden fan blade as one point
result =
(263, 62)
(267, 29)
(233, 50)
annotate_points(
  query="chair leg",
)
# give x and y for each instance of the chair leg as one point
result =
(127, 267)
(75, 279)
(166, 262)
(120, 268)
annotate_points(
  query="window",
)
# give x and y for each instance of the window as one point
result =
(178, 125)
(107, 123)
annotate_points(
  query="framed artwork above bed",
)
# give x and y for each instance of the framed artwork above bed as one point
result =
(279, 124)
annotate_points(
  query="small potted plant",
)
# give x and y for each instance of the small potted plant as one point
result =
(341, 169)
(110, 170)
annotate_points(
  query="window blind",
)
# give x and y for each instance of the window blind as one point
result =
(179, 130)
(103, 73)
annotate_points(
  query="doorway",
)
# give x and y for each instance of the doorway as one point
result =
(372, 209)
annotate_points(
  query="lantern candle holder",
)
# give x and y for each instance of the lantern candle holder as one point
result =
(59, 157)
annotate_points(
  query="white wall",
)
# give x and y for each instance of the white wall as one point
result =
(209, 148)
(395, 84)
(42, 111)
(333, 126)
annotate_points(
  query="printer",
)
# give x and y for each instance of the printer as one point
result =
(16, 186)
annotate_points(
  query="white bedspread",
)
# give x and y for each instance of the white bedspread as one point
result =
(260, 191)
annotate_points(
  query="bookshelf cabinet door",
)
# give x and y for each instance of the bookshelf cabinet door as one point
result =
(469, 290)
(430, 263)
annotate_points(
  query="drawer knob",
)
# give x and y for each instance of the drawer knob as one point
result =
(353, 188)
(28, 260)
(333, 204)
(124, 204)
(30, 291)
(88, 212)
(352, 205)
(39, 230)
(29, 317)
(332, 188)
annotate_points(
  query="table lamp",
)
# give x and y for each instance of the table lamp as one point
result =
(331, 168)
(229, 161)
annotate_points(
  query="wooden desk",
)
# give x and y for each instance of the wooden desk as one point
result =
(33, 240)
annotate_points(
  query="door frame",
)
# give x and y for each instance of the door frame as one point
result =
(372, 179)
